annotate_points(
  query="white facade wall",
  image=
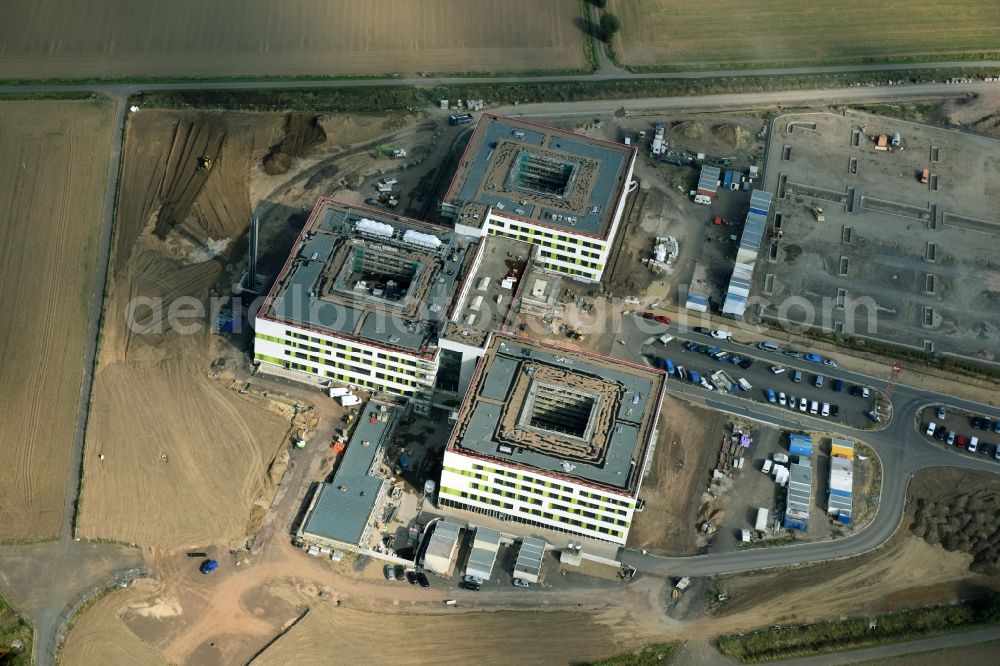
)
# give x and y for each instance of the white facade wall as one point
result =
(535, 497)
(343, 360)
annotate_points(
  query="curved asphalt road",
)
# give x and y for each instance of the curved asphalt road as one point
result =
(900, 446)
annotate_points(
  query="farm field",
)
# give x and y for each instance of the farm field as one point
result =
(52, 195)
(107, 38)
(672, 33)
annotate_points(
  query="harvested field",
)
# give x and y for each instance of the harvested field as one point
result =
(687, 447)
(106, 38)
(52, 194)
(174, 457)
(672, 33)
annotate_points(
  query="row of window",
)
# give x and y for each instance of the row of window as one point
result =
(570, 498)
(324, 360)
(347, 379)
(537, 233)
(511, 495)
(357, 351)
(579, 262)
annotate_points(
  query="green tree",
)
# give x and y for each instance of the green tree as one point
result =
(609, 26)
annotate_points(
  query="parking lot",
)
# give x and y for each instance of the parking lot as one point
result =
(793, 378)
(964, 426)
(894, 258)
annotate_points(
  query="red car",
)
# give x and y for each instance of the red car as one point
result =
(960, 442)
(663, 319)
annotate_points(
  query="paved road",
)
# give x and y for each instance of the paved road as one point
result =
(902, 452)
(900, 446)
(955, 640)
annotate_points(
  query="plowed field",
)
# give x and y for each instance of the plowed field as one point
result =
(55, 165)
(110, 38)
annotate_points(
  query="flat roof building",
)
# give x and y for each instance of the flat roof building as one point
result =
(840, 503)
(557, 189)
(362, 299)
(553, 437)
(799, 495)
(528, 565)
(341, 511)
(439, 556)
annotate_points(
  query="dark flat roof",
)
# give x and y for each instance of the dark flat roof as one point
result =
(597, 182)
(306, 291)
(627, 430)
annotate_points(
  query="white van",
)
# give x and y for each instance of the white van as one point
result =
(814, 407)
(767, 345)
(825, 411)
(973, 444)
(744, 384)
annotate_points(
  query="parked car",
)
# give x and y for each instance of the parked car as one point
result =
(648, 315)
(663, 319)
(931, 427)
(777, 369)
(702, 330)
(814, 407)
(770, 395)
(861, 391)
(781, 399)
(691, 346)
(813, 358)
(371, 202)
(471, 587)
(422, 579)
(940, 433)
(973, 444)
(987, 424)
(825, 409)
(996, 455)
(941, 414)
(520, 582)
(818, 381)
(767, 345)
(873, 416)
(996, 427)
(746, 363)
(974, 422)
(960, 441)
(834, 411)
(793, 402)
(803, 404)
(722, 335)
(829, 362)
(411, 577)
(951, 438)
(390, 572)
(796, 376)
(837, 385)
(208, 566)
(793, 353)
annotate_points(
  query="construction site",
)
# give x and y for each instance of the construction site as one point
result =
(883, 229)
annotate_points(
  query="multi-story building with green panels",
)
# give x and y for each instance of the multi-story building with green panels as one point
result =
(362, 299)
(553, 437)
(562, 191)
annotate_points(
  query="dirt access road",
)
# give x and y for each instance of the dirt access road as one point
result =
(104, 38)
(52, 196)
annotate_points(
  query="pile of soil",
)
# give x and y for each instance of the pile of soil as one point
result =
(730, 135)
(302, 133)
(963, 517)
(689, 129)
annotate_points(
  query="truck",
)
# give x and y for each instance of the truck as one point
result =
(762, 516)
(657, 146)
(349, 399)
(694, 377)
(925, 176)
(460, 119)
(703, 199)
(337, 391)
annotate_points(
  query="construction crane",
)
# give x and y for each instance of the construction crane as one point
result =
(893, 376)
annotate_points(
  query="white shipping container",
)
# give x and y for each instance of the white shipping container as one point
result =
(349, 399)
(337, 391)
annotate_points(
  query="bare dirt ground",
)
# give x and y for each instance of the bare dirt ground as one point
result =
(321, 37)
(687, 446)
(52, 194)
(174, 457)
(905, 573)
